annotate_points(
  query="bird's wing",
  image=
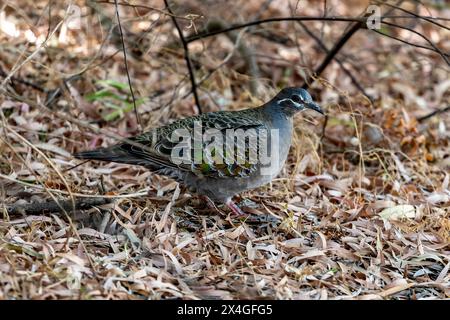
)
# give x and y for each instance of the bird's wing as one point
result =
(161, 147)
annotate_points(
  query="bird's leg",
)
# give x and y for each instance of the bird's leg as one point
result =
(235, 208)
(93, 142)
(230, 204)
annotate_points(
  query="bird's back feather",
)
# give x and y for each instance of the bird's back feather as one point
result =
(153, 149)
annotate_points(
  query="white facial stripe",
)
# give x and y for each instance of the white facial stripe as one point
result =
(280, 101)
(298, 105)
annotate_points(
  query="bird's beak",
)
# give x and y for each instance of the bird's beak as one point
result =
(314, 106)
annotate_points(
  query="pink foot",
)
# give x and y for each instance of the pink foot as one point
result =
(234, 207)
(93, 142)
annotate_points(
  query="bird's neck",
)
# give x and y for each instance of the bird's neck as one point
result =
(278, 119)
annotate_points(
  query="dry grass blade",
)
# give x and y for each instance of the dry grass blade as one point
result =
(361, 209)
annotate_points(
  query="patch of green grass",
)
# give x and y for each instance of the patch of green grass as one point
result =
(116, 97)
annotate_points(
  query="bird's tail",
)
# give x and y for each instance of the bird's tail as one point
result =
(111, 154)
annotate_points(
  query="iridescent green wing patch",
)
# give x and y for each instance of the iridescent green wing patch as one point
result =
(159, 145)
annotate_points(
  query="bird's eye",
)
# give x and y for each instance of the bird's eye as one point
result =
(296, 98)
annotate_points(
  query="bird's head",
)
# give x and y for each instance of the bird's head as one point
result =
(292, 100)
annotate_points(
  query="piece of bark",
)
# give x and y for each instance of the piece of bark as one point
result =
(55, 207)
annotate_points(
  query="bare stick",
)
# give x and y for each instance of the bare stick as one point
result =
(140, 6)
(126, 66)
(245, 51)
(22, 81)
(429, 19)
(432, 114)
(332, 53)
(186, 57)
(409, 43)
(418, 16)
(257, 22)
(442, 54)
(358, 21)
(341, 64)
(29, 58)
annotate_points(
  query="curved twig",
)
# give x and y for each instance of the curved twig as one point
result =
(141, 6)
(332, 53)
(409, 43)
(279, 19)
(432, 114)
(341, 64)
(436, 49)
(186, 57)
(429, 19)
(126, 67)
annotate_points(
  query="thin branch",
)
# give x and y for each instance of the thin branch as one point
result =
(126, 66)
(22, 81)
(140, 6)
(186, 57)
(279, 19)
(76, 166)
(332, 53)
(237, 40)
(208, 34)
(246, 52)
(442, 54)
(429, 19)
(324, 127)
(409, 43)
(29, 58)
(272, 37)
(432, 114)
(341, 64)
(418, 16)
(358, 21)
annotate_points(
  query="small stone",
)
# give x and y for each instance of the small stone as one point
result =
(354, 141)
